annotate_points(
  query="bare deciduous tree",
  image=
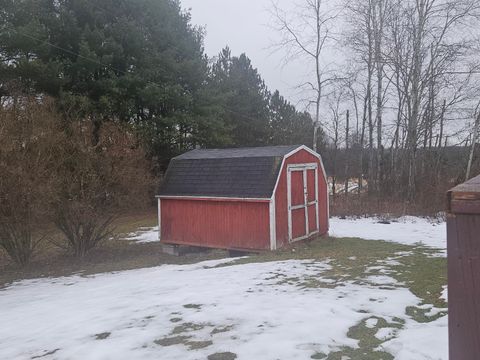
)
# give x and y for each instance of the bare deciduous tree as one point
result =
(475, 134)
(414, 46)
(306, 33)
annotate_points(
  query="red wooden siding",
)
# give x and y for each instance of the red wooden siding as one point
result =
(281, 201)
(312, 219)
(298, 223)
(311, 184)
(297, 188)
(218, 224)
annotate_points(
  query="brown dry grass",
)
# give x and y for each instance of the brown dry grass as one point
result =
(365, 205)
(113, 255)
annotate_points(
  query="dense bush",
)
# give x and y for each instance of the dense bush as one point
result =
(50, 171)
(30, 141)
(96, 182)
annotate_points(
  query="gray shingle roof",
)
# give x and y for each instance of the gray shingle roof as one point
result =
(241, 172)
(246, 152)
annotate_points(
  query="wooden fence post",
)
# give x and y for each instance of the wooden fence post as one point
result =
(463, 246)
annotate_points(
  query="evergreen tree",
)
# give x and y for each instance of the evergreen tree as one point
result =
(143, 63)
(287, 125)
(138, 61)
(244, 98)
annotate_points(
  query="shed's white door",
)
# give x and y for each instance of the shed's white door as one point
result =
(302, 192)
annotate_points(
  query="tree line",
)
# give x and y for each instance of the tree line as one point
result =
(142, 63)
(403, 93)
(96, 97)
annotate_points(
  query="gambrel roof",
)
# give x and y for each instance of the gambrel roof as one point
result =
(236, 173)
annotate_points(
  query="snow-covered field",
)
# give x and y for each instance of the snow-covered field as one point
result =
(406, 230)
(251, 311)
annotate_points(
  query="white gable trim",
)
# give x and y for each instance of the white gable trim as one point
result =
(310, 151)
(319, 157)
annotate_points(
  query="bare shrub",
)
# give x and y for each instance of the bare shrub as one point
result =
(96, 182)
(82, 227)
(29, 143)
(384, 206)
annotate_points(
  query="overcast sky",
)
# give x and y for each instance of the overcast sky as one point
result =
(243, 26)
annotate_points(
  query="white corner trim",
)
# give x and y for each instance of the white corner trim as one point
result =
(159, 219)
(289, 204)
(317, 210)
(273, 225)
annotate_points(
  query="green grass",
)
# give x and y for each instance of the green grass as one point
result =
(352, 258)
(128, 224)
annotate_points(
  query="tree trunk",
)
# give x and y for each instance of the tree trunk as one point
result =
(371, 178)
(472, 149)
(442, 116)
(415, 96)
(362, 140)
(347, 130)
(378, 26)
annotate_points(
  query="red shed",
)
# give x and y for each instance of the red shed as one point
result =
(243, 199)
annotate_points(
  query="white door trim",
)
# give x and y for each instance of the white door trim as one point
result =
(303, 168)
(305, 199)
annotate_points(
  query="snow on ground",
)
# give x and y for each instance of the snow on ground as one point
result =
(415, 341)
(257, 311)
(406, 230)
(444, 294)
(144, 235)
(371, 323)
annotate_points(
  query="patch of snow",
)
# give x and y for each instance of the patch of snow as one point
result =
(391, 262)
(424, 306)
(435, 311)
(400, 254)
(444, 294)
(144, 235)
(440, 253)
(385, 333)
(375, 268)
(381, 280)
(420, 341)
(407, 230)
(371, 323)
(265, 317)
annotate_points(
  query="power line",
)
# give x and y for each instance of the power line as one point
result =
(67, 51)
(111, 67)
